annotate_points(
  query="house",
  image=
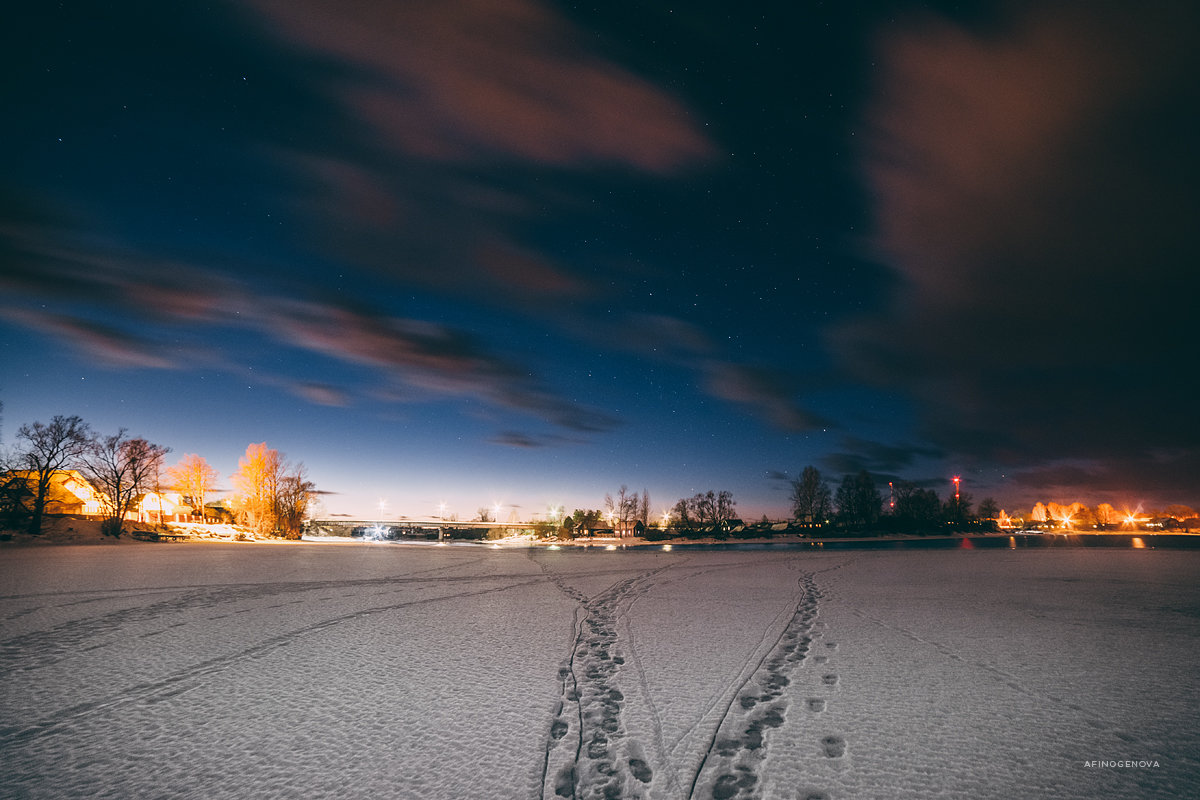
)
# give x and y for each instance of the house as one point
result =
(633, 527)
(69, 493)
(159, 507)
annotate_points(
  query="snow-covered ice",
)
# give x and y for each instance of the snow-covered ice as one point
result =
(392, 671)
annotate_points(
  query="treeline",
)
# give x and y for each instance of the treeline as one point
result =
(1106, 517)
(271, 495)
(859, 505)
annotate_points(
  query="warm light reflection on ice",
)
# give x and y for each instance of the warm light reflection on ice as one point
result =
(1138, 544)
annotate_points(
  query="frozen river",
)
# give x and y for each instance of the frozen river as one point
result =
(385, 671)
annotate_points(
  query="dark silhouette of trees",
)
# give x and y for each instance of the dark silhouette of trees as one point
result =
(121, 470)
(957, 510)
(916, 509)
(812, 501)
(988, 508)
(583, 519)
(622, 510)
(858, 501)
(45, 449)
(711, 508)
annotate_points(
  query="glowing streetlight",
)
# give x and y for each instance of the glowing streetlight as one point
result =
(441, 511)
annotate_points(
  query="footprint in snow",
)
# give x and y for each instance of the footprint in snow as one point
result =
(834, 746)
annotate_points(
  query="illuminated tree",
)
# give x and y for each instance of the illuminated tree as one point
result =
(256, 484)
(43, 450)
(121, 470)
(1106, 515)
(1039, 513)
(271, 496)
(193, 478)
(1179, 512)
(812, 501)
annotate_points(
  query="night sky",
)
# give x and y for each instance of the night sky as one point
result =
(523, 252)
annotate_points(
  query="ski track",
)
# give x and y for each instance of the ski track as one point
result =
(590, 753)
(1009, 680)
(187, 678)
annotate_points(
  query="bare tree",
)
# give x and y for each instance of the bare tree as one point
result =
(711, 507)
(43, 450)
(812, 502)
(193, 478)
(622, 510)
(295, 492)
(121, 469)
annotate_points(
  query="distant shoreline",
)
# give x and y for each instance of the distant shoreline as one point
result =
(78, 531)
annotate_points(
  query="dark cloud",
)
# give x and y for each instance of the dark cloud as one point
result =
(1162, 478)
(514, 439)
(1034, 186)
(148, 301)
(110, 346)
(886, 460)
(765, 391)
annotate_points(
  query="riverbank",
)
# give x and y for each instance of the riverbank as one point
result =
(85, 531)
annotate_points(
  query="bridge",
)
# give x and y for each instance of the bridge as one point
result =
(406, 528)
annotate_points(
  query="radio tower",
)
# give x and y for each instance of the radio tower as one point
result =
(957, 481)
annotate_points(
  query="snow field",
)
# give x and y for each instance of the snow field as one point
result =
(416, 672)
